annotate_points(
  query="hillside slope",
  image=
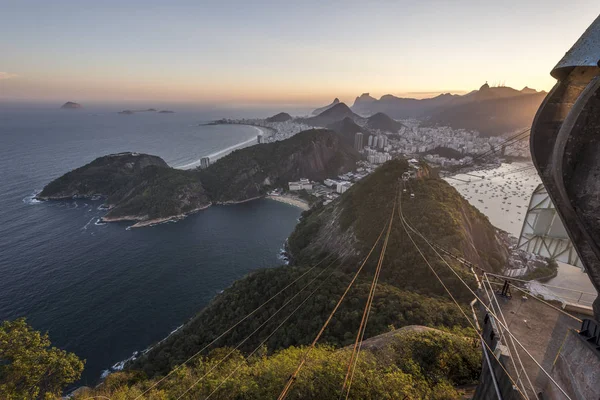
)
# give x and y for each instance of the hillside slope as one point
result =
(491, 116)
(413, 364)
(143, 188)
(248, 173)
(407, 292)
(438, 211)
(137, 187)
(336, 113)
(384, 123)
(319, 110)
(347, 129)
(280, 117)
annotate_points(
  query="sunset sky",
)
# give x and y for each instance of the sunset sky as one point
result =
(299, 52)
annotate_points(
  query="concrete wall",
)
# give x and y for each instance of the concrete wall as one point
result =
(576, 369)
(486, 389)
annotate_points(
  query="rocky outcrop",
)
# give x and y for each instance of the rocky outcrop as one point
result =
(69, 105)
(362, 104)
(325, 108)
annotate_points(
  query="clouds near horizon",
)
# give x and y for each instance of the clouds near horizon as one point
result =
(309, 52)
(7, 75)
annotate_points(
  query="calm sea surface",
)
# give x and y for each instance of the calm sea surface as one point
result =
(103, 291)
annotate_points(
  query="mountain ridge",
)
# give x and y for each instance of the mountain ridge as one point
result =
(489, 110)
(319, 110)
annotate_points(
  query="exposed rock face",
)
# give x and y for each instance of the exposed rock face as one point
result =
(327, 107)
(69, 105)
(362, 103)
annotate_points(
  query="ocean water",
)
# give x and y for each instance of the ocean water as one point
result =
(101, 290)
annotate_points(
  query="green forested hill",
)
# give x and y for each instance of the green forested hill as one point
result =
(144, 188)
(437, 210)
(408, 364)
(408, 293)
(315, 154)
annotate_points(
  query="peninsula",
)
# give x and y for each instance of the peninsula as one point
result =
(143, 188)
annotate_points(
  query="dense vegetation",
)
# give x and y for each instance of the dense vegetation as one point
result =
(438, 211)
(391, 307)
(137, 185)
(143, 187)
(29, 367)
(326, 248)
(410, 365)
(315, 154)
(408, 292)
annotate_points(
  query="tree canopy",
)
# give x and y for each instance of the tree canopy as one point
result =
(29, 367)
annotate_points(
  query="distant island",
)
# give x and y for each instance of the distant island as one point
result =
(129, 112)
(70, 105)
(166, 112)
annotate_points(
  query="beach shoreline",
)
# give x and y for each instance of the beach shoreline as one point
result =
(291, 200)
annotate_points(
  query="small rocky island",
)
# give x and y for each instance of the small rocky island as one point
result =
(69, 105)
(129, 112)
(143, 188)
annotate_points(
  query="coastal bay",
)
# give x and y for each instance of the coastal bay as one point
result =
(100, 290)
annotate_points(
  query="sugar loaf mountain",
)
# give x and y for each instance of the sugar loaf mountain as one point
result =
(419, 346)
(143, 188)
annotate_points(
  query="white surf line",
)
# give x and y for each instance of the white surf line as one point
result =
(221, 153)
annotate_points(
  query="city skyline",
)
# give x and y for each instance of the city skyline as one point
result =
(309, 53)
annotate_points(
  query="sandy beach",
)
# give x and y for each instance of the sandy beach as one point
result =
(294, 201)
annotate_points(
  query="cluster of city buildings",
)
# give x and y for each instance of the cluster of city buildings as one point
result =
(279, 130)
(370, 148)
(412, 139)
(330, 189)
(444, 162)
